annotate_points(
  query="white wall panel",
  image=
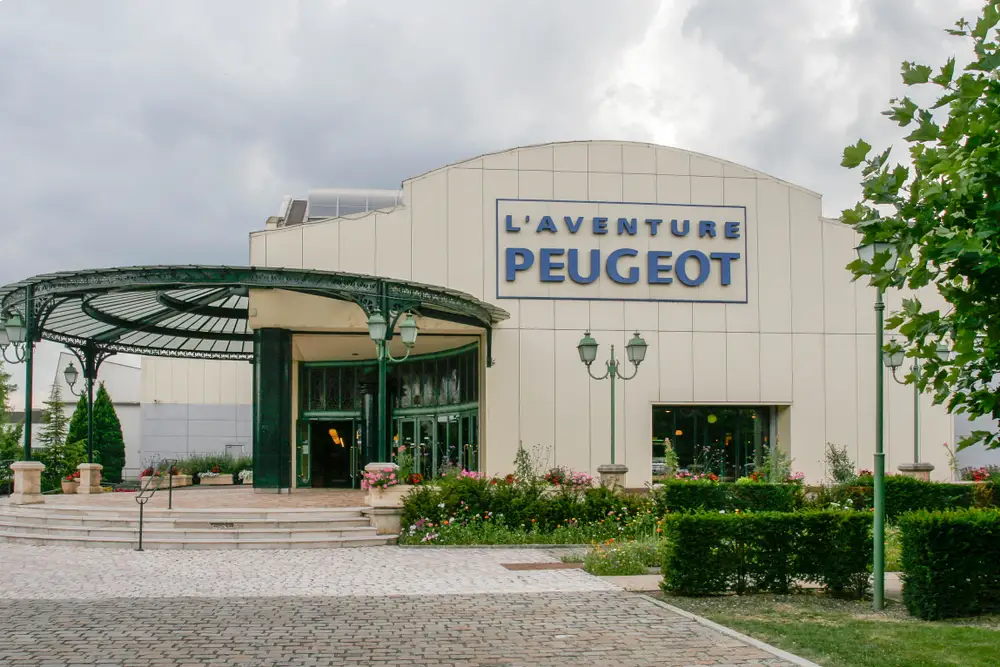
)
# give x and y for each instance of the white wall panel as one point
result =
(639, 188)
(745, 317)
(708, 316)
(573, 315)
(641, 316)
(178, 382)
(321, 246)
(258, 249)
(196, 381)
(775, 368)
(465, 231)
(639, 395)
(774, 273)
(496, 185)
(284, 248)
(600, 402)
(393, 252)
(605, 187)
(710, 367)
(213, 382)
(357, 245)
(809, 405)
(227, 382)
(865, 345)
(570, 157)
(605, 157)
(672, 161)
(674, 190)
(537, 389)
(539, 158)
(503, 427)
(840, 314)
(638, 159)
(506, 160)
(842, 392)
(743, 368)
(607, 315)
(705, 166)
(570, 185)
(676, 360)
(807, 262)
(572, 398)
(429, 219)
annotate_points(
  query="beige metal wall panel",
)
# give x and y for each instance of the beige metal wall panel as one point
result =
(502, 404)
(572, 398)
(605, 187)
(228, 391)
(705, 166)
(638, 159)
(321, 246)
(496, 185)
(357, 245)
(573, 315)
(506, 160)
(537, 314)
(774, 274)
(258, 249)
(178, 382)
(607, 315)
(743, 368)
(806, 230)
(736, 171)
(147, 380)
(536, 386)
(605, 157)
(638, 395)
(429, 216)
(775, 368)
(465, 231)
(676, 361)
(570, 157)
(866, 400)
(196, 382)
(710, 367)
(570, 185)
(534, 185)
(745, 317)
(808, 404)
(842, 392)
(840, 314)
(864, 305)
(639, 187)
(392, 242)
(284, 248)
(600, 401)
(212, 376)
(641, 316)
(163, 380)
(708, 191)
(674, 190)
(673, 161)
(538, 159)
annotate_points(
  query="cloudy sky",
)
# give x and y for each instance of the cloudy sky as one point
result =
(147, 131)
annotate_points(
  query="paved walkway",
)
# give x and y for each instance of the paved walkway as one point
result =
(377, 606)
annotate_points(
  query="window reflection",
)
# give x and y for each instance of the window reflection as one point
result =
(728, 441)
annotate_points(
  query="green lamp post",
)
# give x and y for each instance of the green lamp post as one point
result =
(17, 335)
(886, 254)
(636, 351)
(380, 332)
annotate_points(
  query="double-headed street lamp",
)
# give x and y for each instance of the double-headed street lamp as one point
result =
(381, 331)
(89, 372)
(893, 359)
(636, 351)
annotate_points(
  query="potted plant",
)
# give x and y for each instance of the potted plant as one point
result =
(246, 476)
(215, 477)
(384, 486)
(71, 482)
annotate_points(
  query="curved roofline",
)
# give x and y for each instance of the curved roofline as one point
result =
(756, 172)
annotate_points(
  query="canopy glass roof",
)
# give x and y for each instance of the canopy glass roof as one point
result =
(201, 311)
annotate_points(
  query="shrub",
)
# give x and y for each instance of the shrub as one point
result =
(686, 496)
(610, 559)
(226, 464)
(906, 494)
(714, 553)
(839, 465)
(951, 563)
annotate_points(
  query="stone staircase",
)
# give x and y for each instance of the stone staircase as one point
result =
(302, 528)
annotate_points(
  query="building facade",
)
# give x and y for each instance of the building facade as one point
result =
(757, 336)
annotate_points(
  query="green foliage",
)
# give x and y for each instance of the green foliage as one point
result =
(951, 563)
(679, 495)
(229, 465)
(902, 494)
(109, 442)
(839, 466)
(54, 422)
(60, 459)
(11, 448)
(941, 214)
(622, 559)
(716, 553)
(78, 422)
(776, 466)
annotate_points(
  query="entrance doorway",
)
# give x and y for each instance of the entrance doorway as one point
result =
(331, 444)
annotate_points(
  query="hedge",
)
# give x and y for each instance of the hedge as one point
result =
(951, 563)
(688, 496)
(712, 554)
(905, 494)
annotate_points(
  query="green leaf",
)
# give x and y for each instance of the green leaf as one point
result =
(914, 74)
(903, 113)
(856, 154)
(947, 73)
(989, 19)
(928, 130)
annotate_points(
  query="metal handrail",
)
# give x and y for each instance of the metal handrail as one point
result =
(152, 485)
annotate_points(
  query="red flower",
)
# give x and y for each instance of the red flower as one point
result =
(415, 479)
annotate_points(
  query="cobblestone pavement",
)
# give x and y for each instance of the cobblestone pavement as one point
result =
(62, 607)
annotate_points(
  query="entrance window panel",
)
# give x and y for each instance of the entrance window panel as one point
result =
(427, 380)
(728, 441)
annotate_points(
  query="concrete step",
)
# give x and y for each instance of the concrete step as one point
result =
(194, 543)
(69, 511)
(206, 523)
(156, 532)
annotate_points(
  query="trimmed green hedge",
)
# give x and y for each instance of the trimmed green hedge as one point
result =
(903, 494)
(711, 554)
(680, 495)
(951, 563)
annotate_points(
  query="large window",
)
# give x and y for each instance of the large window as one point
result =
(730, 441)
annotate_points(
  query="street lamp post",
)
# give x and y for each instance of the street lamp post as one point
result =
(893, 359)
(381, 331)
(886, 253)
(636, 351)
(17, 335)
(91, 361)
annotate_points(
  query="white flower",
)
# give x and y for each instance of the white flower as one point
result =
(722, 511)
(440, 505)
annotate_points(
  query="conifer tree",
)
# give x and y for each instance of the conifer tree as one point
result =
(109, 443)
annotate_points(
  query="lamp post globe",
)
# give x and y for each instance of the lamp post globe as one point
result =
(893, 358)
(636, 349)
(15, 329)
(587, 347)
(408, 331)
(377, 327)
(71, 375)
(868, 252)
(943, 351)
(4, 340)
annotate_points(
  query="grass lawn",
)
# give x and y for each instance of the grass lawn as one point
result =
(839, 633)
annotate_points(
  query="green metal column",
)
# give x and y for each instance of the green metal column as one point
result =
(916, 411)
(878, 567)
(29, 368)
(90, 374)
(272, 409)
(383, 431)
(613, 372)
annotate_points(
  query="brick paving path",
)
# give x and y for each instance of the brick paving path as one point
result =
(62, 607)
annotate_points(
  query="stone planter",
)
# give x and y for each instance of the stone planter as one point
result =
(216, 480)
(390, 496)
(69, 486)
(162, 482)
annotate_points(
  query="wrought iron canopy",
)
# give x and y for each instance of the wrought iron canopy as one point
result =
(201, 311)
